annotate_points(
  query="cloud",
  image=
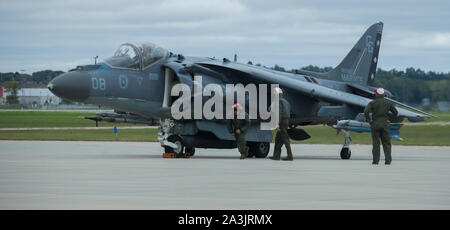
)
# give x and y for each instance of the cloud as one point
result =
(434, 41)
(289, 33)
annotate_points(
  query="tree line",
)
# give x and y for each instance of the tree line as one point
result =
(410, 86)
(40, 77)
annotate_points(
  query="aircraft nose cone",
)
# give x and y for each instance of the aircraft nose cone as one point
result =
(73, 86)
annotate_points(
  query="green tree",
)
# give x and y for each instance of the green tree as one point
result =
(45, 76)
(317, 69)
(12, 87)
(279, 68)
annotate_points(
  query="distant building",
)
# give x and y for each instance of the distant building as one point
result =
(35, 97)
(2, 99)
(426, 101)
(443, 105)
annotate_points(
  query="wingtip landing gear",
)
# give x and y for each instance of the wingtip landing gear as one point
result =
(346, 153)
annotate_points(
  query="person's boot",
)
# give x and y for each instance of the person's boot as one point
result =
(288, 158)
(244, 154)
(276, 158)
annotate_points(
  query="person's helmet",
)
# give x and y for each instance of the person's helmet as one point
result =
(380, 92)
(237, 106)
(278, 91)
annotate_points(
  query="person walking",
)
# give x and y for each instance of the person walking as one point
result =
(282, 137)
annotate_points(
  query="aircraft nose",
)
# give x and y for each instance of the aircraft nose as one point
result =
(73, 86)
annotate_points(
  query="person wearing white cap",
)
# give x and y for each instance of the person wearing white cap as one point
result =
(282, 137)
(379, 125)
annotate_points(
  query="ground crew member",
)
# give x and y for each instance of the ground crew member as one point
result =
(379, 124)
(282, 137)
(238, 128)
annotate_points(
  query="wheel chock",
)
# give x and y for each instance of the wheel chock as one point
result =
(174, 155)
(169, 155)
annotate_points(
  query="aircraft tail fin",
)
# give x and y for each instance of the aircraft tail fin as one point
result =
(360, 64)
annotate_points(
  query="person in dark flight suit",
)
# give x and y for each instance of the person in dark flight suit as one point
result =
(379, 124)
(238, 128)
(282, 137)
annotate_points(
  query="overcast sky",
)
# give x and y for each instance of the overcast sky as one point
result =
(58, 35)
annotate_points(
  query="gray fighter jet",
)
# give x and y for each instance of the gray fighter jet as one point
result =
(137, 81)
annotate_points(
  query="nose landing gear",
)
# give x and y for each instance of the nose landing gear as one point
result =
(174, 143)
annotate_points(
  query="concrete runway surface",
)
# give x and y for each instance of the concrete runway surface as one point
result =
(133, 175)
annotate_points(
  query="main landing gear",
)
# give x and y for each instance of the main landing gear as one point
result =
(258, 149)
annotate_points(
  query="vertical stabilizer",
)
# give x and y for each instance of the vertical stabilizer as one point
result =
(360, 64)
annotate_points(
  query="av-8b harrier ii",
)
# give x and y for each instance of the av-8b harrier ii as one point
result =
(138, 79)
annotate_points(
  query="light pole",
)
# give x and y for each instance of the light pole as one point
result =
(95, 58)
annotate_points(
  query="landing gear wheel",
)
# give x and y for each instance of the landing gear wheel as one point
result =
(259, 149)
(346, 153)
(180, 146)
(190, 150)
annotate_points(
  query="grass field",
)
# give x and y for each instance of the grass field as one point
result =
(443, 116)
(81, 135)
(412, 135)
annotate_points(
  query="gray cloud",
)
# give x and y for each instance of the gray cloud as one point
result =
(61, 34)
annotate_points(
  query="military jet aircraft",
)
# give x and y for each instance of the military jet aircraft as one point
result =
(137, 81)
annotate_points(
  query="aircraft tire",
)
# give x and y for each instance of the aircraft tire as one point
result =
(179, 142)
(259, 149)
(190, 150)
(346, 153)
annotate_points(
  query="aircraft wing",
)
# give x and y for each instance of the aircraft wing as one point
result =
(317, 91)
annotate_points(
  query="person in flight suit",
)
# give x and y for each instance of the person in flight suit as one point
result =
(282, 137)
(379, 124)
(238, 128)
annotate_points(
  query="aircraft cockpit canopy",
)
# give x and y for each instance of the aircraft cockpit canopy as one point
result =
(136, 56)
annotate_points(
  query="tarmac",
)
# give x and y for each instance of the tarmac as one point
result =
(133, 175)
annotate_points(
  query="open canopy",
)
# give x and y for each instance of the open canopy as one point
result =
(136, 56)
